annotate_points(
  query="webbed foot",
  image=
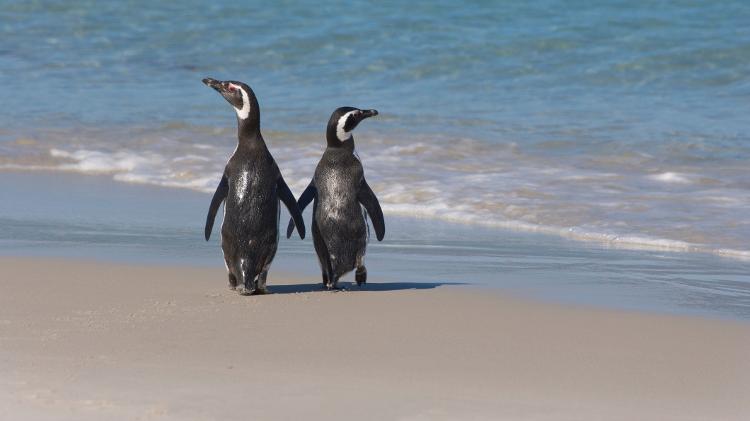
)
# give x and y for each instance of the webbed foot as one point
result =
(243, 290)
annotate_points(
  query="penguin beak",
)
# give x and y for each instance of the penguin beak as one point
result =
(226, 89)
(213, 83)
(369, 113)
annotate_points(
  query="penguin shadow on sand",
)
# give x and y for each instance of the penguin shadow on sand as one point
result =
(353, 288)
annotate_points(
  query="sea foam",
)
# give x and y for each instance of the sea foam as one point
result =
(458, 180)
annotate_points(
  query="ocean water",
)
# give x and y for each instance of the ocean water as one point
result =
(623, 123)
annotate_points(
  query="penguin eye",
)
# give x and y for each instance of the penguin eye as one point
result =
(230, 88)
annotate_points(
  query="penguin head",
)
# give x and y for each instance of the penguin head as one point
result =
(239, 95)
(343, 121)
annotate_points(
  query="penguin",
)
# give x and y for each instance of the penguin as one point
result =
(251, 188)
(340, 191)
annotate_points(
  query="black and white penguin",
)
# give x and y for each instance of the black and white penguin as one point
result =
(340, 191)
(251, 186)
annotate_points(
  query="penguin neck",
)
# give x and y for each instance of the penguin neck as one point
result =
(347, 145)
(248, 127)
(334, 142)
(248, 132)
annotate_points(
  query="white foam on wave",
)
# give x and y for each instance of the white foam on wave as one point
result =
(670, 177)
(735, 254)
(627, 242)
(101, 162)
(461, 181)
(142, 168)
(635, 242)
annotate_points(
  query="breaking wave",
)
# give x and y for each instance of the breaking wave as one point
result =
(632, 201)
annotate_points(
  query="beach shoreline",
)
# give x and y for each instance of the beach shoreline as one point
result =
(84, 340)
(95, 218)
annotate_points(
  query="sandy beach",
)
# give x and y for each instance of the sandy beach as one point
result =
(93, 341)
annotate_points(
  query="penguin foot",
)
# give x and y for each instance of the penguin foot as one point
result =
(361, 276)
(232, 282)
(261, 282)
(243, 290)
(262, 291)
(332, 287)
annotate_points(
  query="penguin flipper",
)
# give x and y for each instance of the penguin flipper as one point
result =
(219, 195)
(307, 196)
(367, 198)
(287, 197)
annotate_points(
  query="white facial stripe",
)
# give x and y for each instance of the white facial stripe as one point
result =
(340, 132)
(245, 111)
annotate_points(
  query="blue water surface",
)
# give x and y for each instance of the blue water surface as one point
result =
(592, 74)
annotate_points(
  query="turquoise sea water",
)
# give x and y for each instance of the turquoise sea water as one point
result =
(618, 124)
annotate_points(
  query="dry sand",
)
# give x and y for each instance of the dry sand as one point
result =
(96, 341)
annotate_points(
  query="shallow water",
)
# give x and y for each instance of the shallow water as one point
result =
(86, 218)
(622, 123)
